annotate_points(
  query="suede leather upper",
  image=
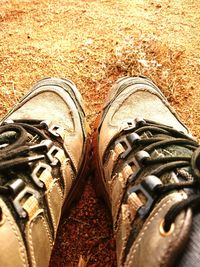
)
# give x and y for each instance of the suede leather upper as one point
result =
(29, 241)
(139, 241)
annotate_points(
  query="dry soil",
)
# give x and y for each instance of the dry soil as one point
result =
(93, 43)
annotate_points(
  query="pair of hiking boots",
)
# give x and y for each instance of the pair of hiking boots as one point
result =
(147, 168)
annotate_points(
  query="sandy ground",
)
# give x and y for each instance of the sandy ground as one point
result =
(93, 43)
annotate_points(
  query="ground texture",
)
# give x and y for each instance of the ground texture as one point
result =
(93, 43)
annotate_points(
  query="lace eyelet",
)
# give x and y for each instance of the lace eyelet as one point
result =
(163, 232)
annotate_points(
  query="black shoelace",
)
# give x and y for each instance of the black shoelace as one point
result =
(146, 138)
(170, 163)
(163, 136)
(17, 141)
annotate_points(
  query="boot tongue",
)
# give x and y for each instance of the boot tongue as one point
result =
(179, 174)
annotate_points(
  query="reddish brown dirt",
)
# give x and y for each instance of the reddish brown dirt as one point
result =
(86, 232)
(93, 43)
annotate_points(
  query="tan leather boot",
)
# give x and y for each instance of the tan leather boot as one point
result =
(42, 162)
(148, 169)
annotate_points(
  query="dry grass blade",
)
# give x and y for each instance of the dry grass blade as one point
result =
(82, 262)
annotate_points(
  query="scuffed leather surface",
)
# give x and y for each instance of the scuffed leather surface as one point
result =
(39, 239)
(159, 250)
(147, 104)
(60, 113)
(122, 232)
(54, 198)
(11, 241)
(68, 176)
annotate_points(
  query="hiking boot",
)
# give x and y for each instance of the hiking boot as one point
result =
(148, 169)
(42, 161)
